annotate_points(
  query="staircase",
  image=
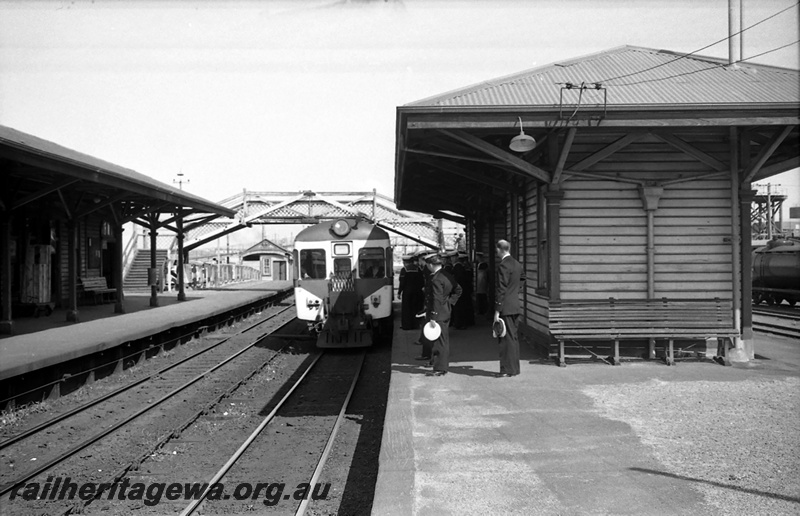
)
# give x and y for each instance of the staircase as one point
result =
(136, 279)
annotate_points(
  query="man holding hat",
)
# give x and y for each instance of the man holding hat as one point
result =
(441, 293)
(508, 278)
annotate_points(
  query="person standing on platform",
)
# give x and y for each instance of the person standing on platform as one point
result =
(509, 276)
(441, 293)
(482, 285)
(427, 346)
(410, 292)
(463, 313)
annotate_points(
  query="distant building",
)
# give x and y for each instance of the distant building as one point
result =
(273, 260)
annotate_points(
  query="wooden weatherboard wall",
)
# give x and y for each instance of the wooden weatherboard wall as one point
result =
(604, 241)
(604, 219)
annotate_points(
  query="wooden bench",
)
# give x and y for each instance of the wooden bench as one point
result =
(654, 320)
(97, 288)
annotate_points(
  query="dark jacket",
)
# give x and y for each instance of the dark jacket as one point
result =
(441, 293)
(507, 284)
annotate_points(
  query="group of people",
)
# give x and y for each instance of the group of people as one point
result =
(432, 291)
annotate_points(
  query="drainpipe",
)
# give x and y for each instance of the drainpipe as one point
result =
(650, 196)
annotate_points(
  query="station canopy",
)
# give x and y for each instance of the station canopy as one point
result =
(78, 184)
(452, 150)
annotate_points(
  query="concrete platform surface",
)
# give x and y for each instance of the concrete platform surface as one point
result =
(537, 443)
(45, 341)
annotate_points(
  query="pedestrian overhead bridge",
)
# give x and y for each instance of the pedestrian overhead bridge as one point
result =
(309, 207)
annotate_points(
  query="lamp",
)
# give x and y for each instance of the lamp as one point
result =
(522, 142)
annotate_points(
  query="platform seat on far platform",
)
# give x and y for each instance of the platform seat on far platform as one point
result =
(97, 289)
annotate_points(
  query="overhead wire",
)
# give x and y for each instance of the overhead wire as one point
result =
(714, 67)
(700, 49)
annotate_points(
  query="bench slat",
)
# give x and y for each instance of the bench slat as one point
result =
(652, 319)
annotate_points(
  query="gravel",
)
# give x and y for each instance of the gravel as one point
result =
(736, 440)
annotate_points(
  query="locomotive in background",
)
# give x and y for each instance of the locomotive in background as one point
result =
(344, 284)
(776, 272)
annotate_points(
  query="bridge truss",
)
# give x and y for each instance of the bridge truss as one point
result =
(310, 208)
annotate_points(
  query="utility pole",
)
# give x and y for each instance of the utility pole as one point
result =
(180, 180)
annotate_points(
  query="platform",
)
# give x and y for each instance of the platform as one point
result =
(46, 341)
(542, 443)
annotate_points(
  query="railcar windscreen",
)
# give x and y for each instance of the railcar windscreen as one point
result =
(342, 267)
(312, 263)
(371, 263)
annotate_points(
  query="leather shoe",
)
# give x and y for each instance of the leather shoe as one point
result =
(422, 358)
(436, 373)
(504, 375)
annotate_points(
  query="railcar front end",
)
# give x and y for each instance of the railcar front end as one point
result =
(344, 282)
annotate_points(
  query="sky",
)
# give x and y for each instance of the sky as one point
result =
(302, 94)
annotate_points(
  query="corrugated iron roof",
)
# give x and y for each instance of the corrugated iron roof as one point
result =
(32, 144)
(632, 76)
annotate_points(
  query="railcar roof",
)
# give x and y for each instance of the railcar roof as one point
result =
(360, 231)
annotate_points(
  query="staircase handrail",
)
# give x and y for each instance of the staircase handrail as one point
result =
(129, 253)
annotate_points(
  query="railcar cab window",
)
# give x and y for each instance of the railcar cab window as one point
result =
(342, 267)
(371, 263)
(312, 264)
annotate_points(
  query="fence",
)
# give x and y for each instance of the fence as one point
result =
(201, 275)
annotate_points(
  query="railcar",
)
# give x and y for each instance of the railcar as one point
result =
(776, 272)
(344, 282)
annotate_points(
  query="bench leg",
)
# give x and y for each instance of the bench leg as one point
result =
(614, 359)
(722, 351)
(651, 350)
(561, 362)
(670, 358)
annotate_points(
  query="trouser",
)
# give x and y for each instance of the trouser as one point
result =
(483, 303)
(509, 345)
(427, 346)
(441, 348)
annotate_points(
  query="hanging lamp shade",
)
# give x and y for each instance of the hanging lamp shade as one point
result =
(522, 142)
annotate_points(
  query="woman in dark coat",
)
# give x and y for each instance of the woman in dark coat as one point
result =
(410, 292)
(463, 315)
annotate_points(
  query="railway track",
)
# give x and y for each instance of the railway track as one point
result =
(783, 321)
(140, 402)
(290, 405)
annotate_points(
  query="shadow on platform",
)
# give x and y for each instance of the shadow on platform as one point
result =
(473, 352)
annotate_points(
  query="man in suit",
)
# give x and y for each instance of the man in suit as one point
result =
(441, 293)
(509, 276)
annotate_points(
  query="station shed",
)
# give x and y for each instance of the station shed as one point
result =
(274, 261)
(62, 214)
(624, 174)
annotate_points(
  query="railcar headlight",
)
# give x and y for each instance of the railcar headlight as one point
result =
(340, 228)
(313, 303)
(376, 300)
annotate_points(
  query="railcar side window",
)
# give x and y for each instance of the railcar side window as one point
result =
(312, 264)
(371, 263)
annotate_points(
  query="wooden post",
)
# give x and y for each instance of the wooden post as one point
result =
(745, 202)
(181, 288)
(554, 198)
(737, 354)
(153, 265)
(6, 274)
(119, 266)
(72, 271)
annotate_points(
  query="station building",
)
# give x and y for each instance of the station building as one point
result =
(624, 174)
(274, 261)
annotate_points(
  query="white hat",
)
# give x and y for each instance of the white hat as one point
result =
(499, 329)
(432, 330)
